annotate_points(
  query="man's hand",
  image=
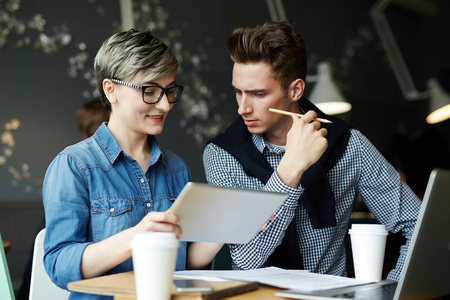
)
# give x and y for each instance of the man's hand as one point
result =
(305, 144)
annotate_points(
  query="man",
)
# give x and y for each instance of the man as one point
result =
(321, 166)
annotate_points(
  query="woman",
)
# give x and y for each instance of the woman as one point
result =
(100, 192)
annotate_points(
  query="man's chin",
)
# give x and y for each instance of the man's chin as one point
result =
(255, 130)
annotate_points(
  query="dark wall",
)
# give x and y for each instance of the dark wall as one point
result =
(37, 89)
(35, 86)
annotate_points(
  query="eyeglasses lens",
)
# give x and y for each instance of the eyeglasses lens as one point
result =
(153, 94)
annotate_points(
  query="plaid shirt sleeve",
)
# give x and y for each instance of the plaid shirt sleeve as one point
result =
(390, 199)
(222, 169)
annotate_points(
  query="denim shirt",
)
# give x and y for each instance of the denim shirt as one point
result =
(93, 190)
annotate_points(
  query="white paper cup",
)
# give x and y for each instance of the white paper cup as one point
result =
(154, 258)
(368, 247)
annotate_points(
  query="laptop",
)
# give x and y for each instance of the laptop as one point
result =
(218, 214)
(426, 273)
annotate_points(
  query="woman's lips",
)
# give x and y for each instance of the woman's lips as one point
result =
(156, 118)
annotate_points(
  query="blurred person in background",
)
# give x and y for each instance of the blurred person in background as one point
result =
(90, 116)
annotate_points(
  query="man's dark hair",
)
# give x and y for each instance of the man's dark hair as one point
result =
(274, 43)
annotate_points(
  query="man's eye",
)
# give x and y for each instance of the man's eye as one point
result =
(260, 95)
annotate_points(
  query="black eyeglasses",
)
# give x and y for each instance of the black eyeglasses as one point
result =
(152, 94)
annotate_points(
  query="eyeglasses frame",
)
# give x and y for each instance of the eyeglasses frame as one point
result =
(143, 87)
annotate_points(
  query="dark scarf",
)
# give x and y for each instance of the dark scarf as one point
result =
(317, 198)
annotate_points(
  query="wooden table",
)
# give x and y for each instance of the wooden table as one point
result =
(122, 287)
(6, 246)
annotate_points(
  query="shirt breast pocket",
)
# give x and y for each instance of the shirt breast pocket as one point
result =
(109, 217)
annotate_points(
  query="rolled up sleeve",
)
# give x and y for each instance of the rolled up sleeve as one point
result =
(67, 213)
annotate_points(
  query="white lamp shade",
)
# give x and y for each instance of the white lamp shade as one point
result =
(439, 103)
(325, 94)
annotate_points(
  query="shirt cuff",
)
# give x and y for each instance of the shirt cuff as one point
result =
(275, 184)
(67, 266)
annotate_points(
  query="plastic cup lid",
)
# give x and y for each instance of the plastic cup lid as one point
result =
(368, 229)
(155, 240)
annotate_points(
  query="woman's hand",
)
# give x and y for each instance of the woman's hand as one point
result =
(102, 256)
(159, 222)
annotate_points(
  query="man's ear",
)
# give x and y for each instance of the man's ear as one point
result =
(109, 90)
(296, 89)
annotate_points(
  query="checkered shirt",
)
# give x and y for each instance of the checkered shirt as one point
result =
(362, 169)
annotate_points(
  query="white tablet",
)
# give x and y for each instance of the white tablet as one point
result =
(223, 214)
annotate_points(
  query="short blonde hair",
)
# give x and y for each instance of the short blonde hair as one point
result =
(129, 54)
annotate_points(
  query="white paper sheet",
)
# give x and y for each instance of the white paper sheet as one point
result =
(288, 279)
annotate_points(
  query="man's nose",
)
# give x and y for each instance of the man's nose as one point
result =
(244, 105)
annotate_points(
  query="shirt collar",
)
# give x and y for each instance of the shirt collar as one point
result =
(261, 144)
(111, 148)
(156, 152)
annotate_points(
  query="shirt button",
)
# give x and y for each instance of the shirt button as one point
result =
(112, 209)
(142, 180)
(149, 204)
